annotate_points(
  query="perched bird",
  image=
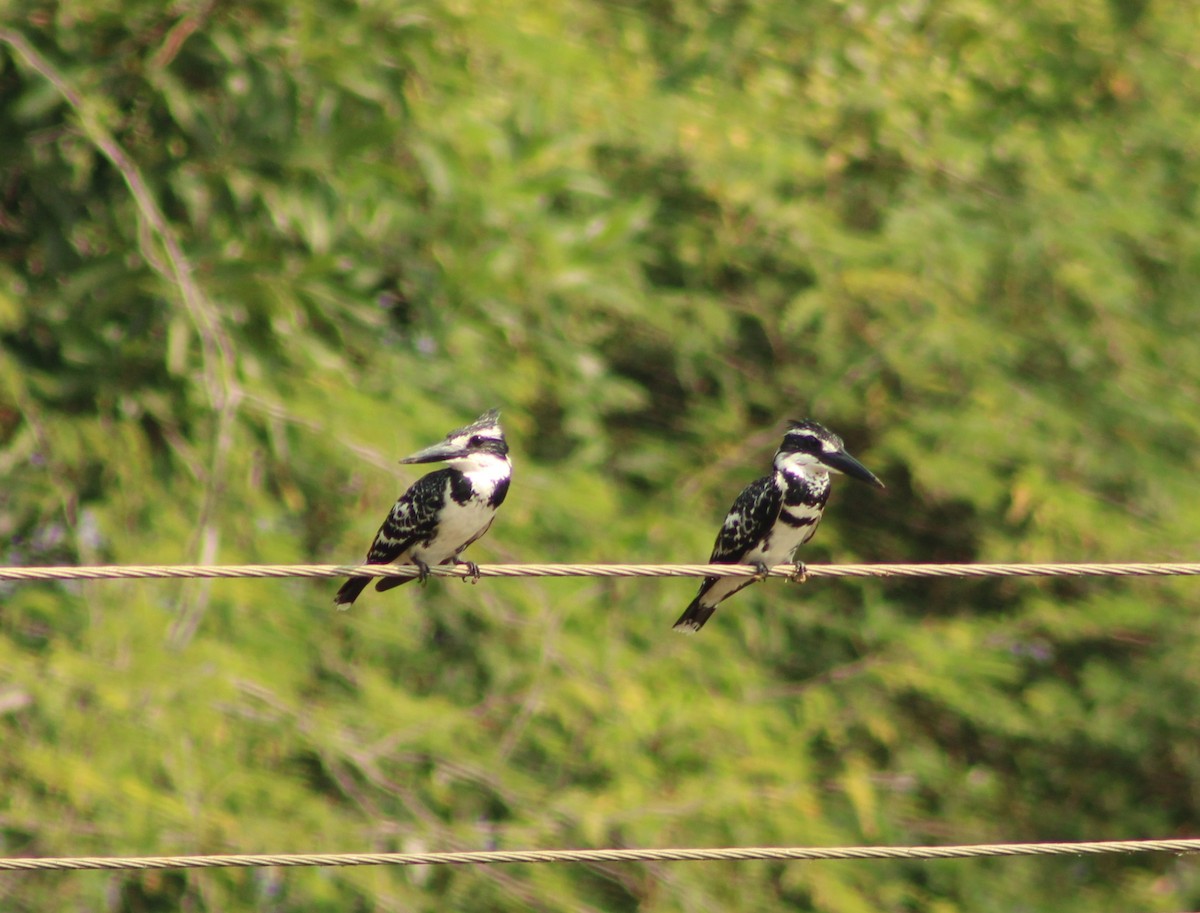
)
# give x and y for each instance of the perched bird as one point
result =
(775, 515)
(445, 511)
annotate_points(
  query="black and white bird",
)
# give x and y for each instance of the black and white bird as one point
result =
(775, 515)
(444, 511)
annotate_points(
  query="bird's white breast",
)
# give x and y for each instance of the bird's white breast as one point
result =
(777, 547)
(460, 524)
(783, 540)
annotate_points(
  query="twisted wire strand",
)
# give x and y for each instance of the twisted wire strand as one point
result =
(498, 857)
(118, 572)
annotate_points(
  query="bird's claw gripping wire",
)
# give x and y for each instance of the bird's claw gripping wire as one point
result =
(761, 571)
(472, 575)
(800, 574)
(422, 570)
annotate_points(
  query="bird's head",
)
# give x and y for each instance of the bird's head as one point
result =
(810, 445)
(475, 446)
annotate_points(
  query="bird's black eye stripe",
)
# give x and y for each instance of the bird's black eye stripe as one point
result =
(804, 443)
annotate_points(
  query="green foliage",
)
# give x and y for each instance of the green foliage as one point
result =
(250, 255)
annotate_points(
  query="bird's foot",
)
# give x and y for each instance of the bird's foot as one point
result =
(800, 574)
(761, 571)
(422, 570)
(472, 571)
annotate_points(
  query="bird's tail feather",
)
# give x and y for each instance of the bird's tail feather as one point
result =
(353, 588)
(694, 616)
(387, 583)
(350, 591)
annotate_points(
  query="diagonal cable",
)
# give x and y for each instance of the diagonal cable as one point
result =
(497, 857)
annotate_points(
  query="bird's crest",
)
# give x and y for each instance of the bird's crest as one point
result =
(802, 434)
(487, 424)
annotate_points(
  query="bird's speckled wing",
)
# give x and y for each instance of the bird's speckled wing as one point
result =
(748, 521)
(413, 518)
(751, 518)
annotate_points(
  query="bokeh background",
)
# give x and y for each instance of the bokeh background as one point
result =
(253, 253)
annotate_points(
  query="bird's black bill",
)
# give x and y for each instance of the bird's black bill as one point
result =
(843, 462)
(435, 454)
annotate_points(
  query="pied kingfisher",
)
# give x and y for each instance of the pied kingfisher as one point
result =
(444, 511)
(775, 515)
